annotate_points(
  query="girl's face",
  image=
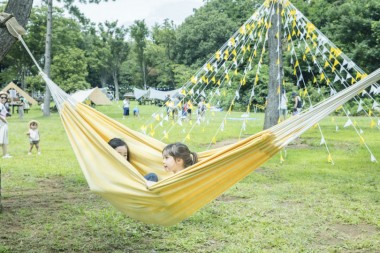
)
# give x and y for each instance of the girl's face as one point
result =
(33, 126)
(171, 164)
(122, 150)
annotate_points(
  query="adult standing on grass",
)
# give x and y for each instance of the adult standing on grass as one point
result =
(283, 105)
(21, 108)
(297, 103)
(125, 107)
(4, 125)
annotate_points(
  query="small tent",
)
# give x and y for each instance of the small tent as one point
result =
(21, 92)
(95, 95)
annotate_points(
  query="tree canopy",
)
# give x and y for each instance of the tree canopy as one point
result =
(165, 56)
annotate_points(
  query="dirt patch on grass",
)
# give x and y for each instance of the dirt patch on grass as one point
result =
(226, 198)
(355, 231)
(339, 233)
(50, 194)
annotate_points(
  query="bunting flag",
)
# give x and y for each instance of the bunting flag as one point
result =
(348, 123)
(240, 60)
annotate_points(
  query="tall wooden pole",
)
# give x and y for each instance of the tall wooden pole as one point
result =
(275, 66)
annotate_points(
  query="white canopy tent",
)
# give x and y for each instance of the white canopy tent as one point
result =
(95, 95)
(161, 95)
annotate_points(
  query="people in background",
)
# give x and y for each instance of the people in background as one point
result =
(297, 107)
(136, 111)
(122, 148)
(21, 108)
(4, 125)
(34, 137)
(201, 108)
(177, 156)
(125, 107)
(189, 108)
(283, 105)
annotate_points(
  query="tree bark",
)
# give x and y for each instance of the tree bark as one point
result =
(20, 9)
(275, 68)
(49, 28)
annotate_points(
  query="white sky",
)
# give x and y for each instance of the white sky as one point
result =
(127, 11)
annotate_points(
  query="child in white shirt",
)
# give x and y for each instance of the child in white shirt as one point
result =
(34, 136)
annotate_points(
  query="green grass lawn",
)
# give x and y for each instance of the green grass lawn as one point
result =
(304, 204)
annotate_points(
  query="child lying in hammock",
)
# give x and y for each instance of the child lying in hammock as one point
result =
(177, 156)
(122, 148)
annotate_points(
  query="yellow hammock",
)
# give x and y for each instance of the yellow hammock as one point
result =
(176, 196)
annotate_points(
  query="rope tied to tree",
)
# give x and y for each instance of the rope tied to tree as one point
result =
(9, 21)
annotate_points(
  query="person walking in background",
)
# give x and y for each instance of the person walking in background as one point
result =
(21, 108)
(201, 108)
(125, 107)
(34, 137)
(4, 125)
(297, 103)
(283, 105)
(189, 108)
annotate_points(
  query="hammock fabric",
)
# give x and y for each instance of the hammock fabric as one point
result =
(176, 196)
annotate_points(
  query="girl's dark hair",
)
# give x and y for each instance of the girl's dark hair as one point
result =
(180, 150)
(117, 142)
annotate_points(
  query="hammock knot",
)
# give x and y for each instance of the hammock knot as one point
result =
(9, 21)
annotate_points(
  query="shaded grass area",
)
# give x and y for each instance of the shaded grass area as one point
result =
(302, 205)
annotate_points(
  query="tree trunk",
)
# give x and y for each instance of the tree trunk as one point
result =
(116, 84)
(48, 55)
(275, 68)
(20, 9)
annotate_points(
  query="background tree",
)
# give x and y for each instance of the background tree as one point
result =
(275, 67)
(140, 32)
(114, 37)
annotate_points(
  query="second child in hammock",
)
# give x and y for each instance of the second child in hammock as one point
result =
(177, 156)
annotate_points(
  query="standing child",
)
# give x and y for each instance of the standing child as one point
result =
(177, 157)
(125, 107)
(136, 111)
(34, 137)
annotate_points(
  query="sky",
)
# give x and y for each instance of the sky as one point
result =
(127, 11)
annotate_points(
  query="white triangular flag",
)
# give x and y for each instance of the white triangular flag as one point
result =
(337, 78)
(373, 159)
(373, 89)
(322, 141)
(360, 107)
(348, 123)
